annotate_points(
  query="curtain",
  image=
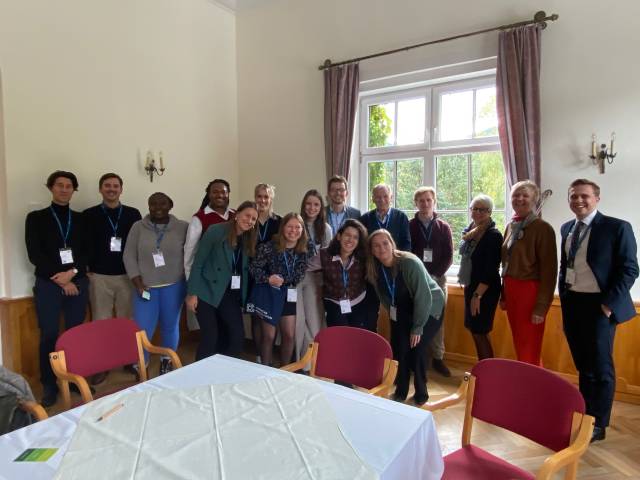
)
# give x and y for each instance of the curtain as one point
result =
(340, 107)
(518, 102)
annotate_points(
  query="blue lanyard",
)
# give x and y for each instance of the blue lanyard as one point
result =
(64, 235)
(345, 275)
(386, 221)
(285, 256)
(236, 256)
(312, 240)
(114, 227)
(262, 234)
(159, 235)
(573, 252)
(336, 220)
(391, 287)
(426, 231)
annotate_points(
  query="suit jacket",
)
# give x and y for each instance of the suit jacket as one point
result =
(612, 257)
(351, 212)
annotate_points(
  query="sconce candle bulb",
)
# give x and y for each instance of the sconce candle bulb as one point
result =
(601, 154)
(150, 165)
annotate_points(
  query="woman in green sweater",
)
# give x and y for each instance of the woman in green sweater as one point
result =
(218, 282)
(415, 303)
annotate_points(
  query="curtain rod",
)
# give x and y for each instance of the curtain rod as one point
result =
(540, 17)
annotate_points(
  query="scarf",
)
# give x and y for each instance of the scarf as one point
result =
(471, 236)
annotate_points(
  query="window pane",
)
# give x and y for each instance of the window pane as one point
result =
(456, 115)
(458, 222)
(380, 172)
(381, 124)
(409, 179)
(452, 182)
(486, 116)
(499, 218)
(411, 115)
(488, 177)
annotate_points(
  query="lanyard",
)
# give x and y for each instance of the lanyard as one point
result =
(574, 251)
(426, 231)
(285, 256)
(236, 256)
(64, 235)
(311, 239)
(159, 234)
(391, 287)
(345, 275)
(114, 227)
(336, 220)
(386, 221)
(262, 234)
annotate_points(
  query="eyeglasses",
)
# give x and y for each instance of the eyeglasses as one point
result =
(479, 209)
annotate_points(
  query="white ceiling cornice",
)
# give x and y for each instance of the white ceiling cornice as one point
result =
(230, 5)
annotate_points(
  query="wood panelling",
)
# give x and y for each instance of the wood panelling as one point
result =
(20, 336)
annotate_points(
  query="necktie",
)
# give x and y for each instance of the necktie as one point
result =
(573, 249)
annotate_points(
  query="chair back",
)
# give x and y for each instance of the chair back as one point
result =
(99, 346)
(352, 355)
(526, 399)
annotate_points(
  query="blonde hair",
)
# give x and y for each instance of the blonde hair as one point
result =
(423, 190)
(531, 186)
(372, 261)
(271, 191)
(281, 243)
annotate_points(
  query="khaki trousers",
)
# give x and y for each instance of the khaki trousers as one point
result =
(110, 295)
(436, 347)
(309, 311)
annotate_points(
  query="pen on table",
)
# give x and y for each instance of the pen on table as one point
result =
(108, 413)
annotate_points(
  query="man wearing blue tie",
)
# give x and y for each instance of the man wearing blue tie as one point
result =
(598, 266)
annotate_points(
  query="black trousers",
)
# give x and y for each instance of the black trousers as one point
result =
(50, 302)
(221, 328)
(357, 318)
(372, 306)
(411, 359)
(590, 335)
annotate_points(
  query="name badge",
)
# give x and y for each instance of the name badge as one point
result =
(427, 255)
(115, 244)
(292, 295)
(570, 277)
(146, 295)
(66, 256)
(393, 313)
(158, 259)
(345, 306)
(235, 282)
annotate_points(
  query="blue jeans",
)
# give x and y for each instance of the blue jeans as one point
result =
(164, 307)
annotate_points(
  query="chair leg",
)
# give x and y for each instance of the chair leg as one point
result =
(571, 471)
(66, 395)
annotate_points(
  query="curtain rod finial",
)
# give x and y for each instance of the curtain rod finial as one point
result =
(327, 64)
(539, 16)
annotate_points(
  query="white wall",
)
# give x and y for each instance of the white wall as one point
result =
(589, 83)
(90, 85)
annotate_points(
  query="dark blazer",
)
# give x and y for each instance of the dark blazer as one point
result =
(612, 257)
(485, 260)
(351, 212)
(398, 227)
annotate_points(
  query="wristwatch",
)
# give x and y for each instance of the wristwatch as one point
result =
(477, 295)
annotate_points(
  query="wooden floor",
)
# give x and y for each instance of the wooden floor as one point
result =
(617, 457)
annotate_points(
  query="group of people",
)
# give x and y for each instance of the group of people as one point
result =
(331, 265)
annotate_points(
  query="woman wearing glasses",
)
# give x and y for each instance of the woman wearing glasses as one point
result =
(479, 273)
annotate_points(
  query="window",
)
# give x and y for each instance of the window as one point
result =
(444, 135)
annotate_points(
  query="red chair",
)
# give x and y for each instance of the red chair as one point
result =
(524, 399)
(99, 346)
(351, 355)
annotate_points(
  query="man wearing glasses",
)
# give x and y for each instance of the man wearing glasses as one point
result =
(337, 209)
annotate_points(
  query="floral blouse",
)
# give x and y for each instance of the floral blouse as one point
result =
(288, 264)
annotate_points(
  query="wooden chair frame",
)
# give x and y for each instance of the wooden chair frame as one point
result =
(581, 430)
(389, 372)
(35, 409)
(59, 366)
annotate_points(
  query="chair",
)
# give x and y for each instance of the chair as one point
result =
(524, 399)
(35, 409)
(351, 355)
(99, 346)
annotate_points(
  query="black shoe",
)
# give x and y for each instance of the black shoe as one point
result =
(398, 397)
(74, 389)
(440, 367)
(420, 400)
(49, 397)
(133, 370)
(598, 434)
(165, 366)
(98, 378)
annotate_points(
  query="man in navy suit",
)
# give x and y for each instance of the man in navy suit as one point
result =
(598, 266)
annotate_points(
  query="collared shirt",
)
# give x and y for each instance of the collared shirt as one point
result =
(194, 232)
(585, 279)
(353, 301)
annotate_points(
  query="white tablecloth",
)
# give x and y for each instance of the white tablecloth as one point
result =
(396, 440)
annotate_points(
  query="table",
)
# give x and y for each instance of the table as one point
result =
(398, 441)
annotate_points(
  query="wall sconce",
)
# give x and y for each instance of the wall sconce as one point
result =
(601, 153)
(150, 165)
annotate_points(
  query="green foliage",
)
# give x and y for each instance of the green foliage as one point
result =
(380, 126)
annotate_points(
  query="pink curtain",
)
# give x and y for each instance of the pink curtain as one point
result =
(341, 86)
(518, 102)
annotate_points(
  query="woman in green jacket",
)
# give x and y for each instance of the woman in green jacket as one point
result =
(414, 301)
(218, 282)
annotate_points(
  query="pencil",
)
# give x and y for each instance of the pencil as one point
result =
(108, 413)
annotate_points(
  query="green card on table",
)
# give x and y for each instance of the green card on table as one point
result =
(36, 455)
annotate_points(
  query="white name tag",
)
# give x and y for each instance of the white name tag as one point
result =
(345, 306)
(158, 259)
(66, 256)
(115, 244)
(292, 295)
(235, 282)
(427, 255)
(570, 277)
(146, 295)
(393, 313)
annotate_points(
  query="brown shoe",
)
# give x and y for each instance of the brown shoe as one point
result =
(440, 367)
